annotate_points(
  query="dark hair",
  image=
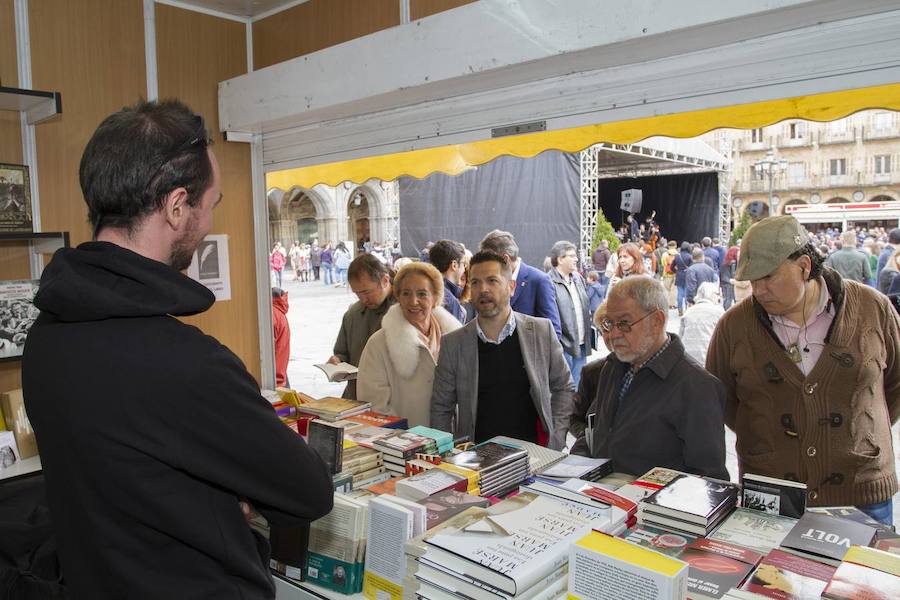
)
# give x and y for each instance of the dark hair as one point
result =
(277, 292)
(593, 276)
(815, 259)
(137, 156)
(491, 256)
(366, 265)
(444, 252)
(559, 250)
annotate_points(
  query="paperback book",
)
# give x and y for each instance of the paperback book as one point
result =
(447, 504)
(716, 567)
(788, 577)
(327, 440)
(339, 372)
(692, 498)
(774, 496)
(826, 539)
(753, 529)
(865, 573)
(660, 540)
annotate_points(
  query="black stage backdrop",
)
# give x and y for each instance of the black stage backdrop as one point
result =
(536, 199)
(686, 205)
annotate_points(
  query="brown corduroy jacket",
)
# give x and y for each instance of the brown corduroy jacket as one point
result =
(832, 428)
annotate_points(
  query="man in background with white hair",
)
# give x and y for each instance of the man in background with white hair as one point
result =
(699, 321)
(651, 405)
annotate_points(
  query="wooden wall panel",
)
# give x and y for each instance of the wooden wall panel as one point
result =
(194, 53)
(10, 133)
(93, 52)
(318, 24)
(419, 9)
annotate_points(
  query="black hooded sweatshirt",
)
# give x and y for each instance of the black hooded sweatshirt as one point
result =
(150, 432)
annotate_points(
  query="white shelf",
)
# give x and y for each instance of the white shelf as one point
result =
(23, 467)
(38, 106)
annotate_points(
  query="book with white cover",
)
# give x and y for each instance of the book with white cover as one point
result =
(390, 525)
(539, 457)
(432, 574)
(514, 549)
(419, 511)
(754, 529)
(428, 483)
(339, 372)
(602, 566)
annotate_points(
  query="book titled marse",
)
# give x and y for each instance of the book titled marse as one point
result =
(514, 550)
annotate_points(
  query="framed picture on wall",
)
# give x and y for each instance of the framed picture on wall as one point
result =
(15, 199)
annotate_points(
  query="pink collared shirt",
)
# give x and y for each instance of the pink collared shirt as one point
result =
(811, 339)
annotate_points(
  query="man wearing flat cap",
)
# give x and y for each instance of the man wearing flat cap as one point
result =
(811, 368)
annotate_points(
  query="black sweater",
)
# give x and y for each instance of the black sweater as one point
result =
(150, 432)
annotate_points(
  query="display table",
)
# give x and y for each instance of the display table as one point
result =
(296, 590)
(21, 468)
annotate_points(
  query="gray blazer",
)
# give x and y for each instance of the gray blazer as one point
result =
(454, 397)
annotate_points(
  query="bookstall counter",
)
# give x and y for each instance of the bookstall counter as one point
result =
(21, 468)
(301, 590)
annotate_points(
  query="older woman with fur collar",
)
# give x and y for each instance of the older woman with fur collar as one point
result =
(396, 370)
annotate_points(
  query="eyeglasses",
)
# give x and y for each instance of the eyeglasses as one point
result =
(624, 326)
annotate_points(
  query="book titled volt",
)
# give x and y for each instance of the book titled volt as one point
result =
(774, 496)
(826, 539)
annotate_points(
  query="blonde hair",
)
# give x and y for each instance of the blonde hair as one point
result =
(427, 271)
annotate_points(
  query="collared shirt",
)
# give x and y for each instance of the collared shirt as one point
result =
(507, 330)
(569, 281)
(515, 273)
(810, 338)
(629, 375)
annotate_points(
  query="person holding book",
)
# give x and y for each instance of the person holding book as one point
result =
(504, 373)
(153, 435)
(652, 405)
(370, 280)
(811, 367)
(396, 369)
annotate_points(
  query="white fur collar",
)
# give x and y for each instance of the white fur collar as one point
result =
(403, 341)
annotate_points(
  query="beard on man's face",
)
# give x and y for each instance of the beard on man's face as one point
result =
(182, 251)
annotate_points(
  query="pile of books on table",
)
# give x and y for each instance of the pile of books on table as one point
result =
(517, 548)
(578, 467)
(499, 468)
(402, 446)
(333, 409)
(690, 504)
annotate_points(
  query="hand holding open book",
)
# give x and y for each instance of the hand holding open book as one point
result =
(338, 373)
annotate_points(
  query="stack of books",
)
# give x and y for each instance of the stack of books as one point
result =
(367, 436)
(334, 409)
(716, 567)
(517, 548)
(499, 468)
(579, 467)
(689, 503)
(539, 458)
(442, 439)
(865, 573)
(445, 505)
(365, 466)
(402, 446)
(370, 418)
(337, 545)
(428, 483)
(773, 496)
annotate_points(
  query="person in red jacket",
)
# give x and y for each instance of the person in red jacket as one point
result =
(282, 335)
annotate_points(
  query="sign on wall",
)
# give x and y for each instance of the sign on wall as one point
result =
(210, 266)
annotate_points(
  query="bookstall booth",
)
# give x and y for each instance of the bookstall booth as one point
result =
(492, 79)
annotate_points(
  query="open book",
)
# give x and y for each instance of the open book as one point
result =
(339, 372)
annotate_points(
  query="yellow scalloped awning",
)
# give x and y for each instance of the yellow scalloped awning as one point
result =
(457, 158)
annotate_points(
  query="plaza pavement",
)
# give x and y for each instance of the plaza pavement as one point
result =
(315, 318)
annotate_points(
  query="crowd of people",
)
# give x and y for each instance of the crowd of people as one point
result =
(485, 345)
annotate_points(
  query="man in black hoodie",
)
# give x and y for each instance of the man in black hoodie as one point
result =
(152, 435)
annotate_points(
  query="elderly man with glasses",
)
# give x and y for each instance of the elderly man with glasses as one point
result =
(651, 405)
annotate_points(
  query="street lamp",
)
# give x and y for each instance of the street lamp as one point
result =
(770, 167)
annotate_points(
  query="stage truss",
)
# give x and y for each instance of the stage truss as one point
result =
(655, 156)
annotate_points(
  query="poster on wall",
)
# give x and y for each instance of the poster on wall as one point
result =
(210, 266)
(15, 199)
(17, 314)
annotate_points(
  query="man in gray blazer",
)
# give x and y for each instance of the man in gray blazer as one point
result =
(504, 372)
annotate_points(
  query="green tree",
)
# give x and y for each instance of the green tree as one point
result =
(604, 231)
(741, 229)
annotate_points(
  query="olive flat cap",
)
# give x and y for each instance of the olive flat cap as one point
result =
(767, 244)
